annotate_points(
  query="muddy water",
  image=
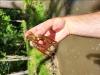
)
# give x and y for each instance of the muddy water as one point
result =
(79, 56)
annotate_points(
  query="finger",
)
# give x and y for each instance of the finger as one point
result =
(40, 29)
(44, 27)
(51, 34)
(61, 34)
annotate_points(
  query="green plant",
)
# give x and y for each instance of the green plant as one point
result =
(36, 12)
(11, 40)
(10, 34)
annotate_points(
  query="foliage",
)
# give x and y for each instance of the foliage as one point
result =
(10, 34)
(11, 40)
(36, 58)
(36, 12)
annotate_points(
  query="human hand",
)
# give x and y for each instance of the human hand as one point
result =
(53, 28)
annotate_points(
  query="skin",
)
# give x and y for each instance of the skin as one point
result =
(60, 27)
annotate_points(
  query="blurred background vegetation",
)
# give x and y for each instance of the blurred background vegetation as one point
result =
(13, 24)
(11, 40)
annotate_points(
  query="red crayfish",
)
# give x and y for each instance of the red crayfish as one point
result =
(48, 45)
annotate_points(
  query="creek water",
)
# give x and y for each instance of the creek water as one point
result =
(79, 56)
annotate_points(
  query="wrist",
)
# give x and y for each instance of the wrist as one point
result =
(69, 25)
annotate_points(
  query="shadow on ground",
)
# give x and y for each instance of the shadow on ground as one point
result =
(94, 57)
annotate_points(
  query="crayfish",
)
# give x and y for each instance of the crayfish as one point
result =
(48, 45)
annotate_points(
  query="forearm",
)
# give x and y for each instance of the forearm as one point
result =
(84, 25)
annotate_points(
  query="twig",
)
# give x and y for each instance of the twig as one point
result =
(19, 73)
(15, 58)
